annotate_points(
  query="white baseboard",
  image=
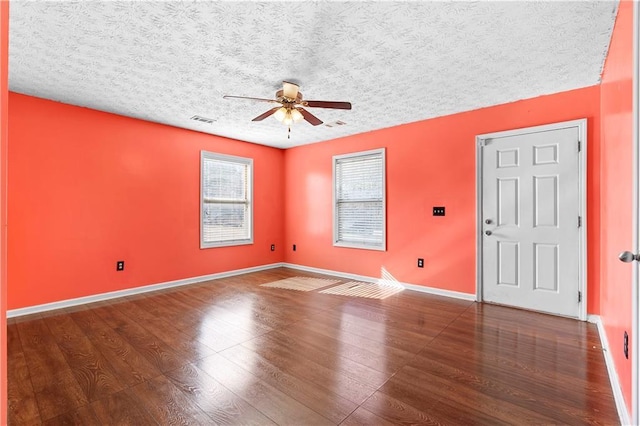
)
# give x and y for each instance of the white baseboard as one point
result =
(440, 292)
(413, 287)
(186, 281)
(611, 369)
(132, 291)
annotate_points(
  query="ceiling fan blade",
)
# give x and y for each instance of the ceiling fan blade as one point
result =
(252, 99)
(266, 114)
(328, 104)
(290, 90)
(309, 117)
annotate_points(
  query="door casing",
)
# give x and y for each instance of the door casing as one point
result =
(581, 124)
(635, 280)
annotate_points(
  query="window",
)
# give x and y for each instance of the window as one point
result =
(359, 200)
(226, 212)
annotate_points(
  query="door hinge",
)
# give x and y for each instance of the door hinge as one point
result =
(579, 221)
(579, 296)
(579, 146)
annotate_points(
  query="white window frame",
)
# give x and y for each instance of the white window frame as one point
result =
(206, 155)
(336, 241)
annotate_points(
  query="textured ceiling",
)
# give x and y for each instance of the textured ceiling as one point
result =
(396, 62)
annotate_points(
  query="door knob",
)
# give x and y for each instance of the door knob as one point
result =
(488, 221)
(627, 256)
(488, 232)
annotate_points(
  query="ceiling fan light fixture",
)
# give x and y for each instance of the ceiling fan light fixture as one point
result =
(288, 115)
(288, 119)
(296, 115)
(280, 114)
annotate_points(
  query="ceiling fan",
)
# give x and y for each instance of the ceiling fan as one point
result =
(291, 106)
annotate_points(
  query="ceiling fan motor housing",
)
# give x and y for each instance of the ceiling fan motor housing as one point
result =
(282, 98)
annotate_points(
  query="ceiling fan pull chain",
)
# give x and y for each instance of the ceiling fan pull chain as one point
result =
(289, 133)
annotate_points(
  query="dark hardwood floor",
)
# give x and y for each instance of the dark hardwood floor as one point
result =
(231, 352)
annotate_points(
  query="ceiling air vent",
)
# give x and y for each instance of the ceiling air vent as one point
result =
(335, 124)
(203, 119)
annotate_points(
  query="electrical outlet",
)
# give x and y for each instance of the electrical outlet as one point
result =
(438, 211)
(273, 247)
(420, 263)
(626, 345)
(120, 265)
(294, 247)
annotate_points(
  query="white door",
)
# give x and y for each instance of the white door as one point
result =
(531, 218)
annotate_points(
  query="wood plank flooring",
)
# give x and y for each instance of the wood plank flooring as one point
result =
(231, 352)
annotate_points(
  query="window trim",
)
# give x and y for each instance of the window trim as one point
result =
(234, 159)
(336, 243)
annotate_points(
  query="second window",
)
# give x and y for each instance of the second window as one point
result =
(359, 218)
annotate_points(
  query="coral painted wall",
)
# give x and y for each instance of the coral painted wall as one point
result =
(616, 191)
(4, 96)
(429, 163)
(87, 189)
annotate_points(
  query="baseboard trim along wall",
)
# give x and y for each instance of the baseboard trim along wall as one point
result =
(186, 281)
(132, 291)
(414, 287)
(611, 369)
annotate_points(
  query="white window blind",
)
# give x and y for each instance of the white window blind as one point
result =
(226, 207)
(359, 200)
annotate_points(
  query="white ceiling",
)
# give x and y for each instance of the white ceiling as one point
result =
(396, 62)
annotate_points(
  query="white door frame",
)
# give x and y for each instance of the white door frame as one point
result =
(635, 281)
(582, 172)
